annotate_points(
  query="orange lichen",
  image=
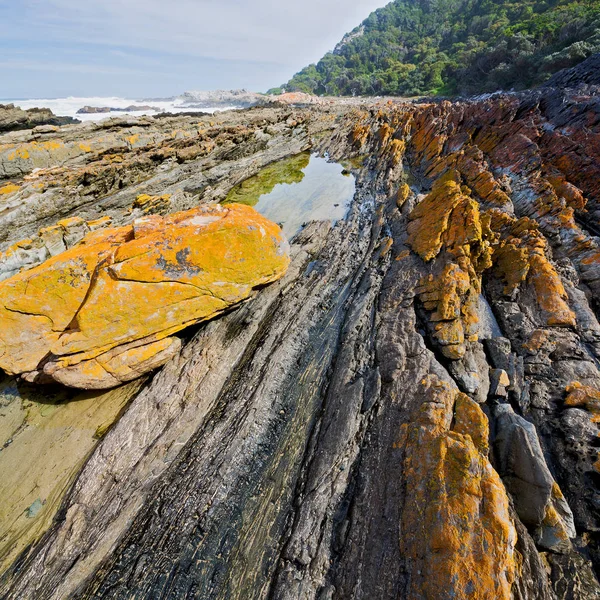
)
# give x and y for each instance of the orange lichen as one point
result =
(402, 195)
(31, 150)
(584, 396)
(457, 535)
(360, 135)
(520, 258)
(99, 223)
(396, 151)
(196, 263)
(450, 219)
(152, 204)
(550, 292)
(19, 153)
(572, 194)
(536, 340)
(116, 366)
(385, 132)
(448, 227)
(9, 188)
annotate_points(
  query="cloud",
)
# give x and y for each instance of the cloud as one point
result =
(230, 43)
(260, 30)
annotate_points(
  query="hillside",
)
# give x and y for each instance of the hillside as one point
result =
(415, 47)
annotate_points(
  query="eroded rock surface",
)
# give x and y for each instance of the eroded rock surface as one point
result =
(411, 411)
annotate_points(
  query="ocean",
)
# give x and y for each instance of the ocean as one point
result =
(68, 107)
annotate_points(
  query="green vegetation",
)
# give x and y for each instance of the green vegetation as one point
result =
(446, 47)
(288, 170)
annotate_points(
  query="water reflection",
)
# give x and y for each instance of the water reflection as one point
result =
(296, 190)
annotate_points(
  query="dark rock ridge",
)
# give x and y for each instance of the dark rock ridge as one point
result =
(585, 73)
(13, 118)
(410, 412)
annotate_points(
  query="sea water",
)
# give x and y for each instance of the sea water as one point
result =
(68, 107)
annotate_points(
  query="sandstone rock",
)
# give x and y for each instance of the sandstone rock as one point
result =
(134, 284)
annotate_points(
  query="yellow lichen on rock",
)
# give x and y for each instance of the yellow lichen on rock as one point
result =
(448, 218)
(550, 292)
(121, 364)
(122, 285)
(9, 188)
(402, 195)
(447, 226)
(520, 258)
(36, 306)
(457, 535)
(152, 204)
(430, 219)
(584, 396)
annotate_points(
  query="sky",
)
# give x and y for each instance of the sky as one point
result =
(157, 48)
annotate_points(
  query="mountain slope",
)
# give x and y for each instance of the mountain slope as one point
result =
(413, 47)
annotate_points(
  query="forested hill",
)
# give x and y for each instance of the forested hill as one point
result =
(415, 47)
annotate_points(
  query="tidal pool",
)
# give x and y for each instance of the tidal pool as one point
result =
(296, 190)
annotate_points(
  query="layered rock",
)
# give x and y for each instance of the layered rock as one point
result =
(457, 534)
(100, 313)
(447, 226)
(409, 412)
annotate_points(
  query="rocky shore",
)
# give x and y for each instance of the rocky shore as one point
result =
(13, 118)
(408, 408)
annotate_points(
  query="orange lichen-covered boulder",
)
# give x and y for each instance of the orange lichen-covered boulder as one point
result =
(138, 283)
(457, 535)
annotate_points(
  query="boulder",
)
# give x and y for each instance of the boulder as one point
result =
(537, 497)
(98, 314)
(13, 118)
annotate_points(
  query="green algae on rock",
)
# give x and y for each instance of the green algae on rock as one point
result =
(46, 434)
(288, 170)
(319, 191)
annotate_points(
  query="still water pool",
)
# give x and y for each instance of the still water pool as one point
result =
(296, 190)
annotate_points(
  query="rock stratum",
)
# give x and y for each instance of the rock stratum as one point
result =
(409, 411)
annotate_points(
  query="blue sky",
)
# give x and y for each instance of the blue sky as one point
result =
(154, 48)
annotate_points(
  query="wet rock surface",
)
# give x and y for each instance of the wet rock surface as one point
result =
(411, 411)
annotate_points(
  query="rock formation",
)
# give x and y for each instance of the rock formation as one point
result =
(93, 110)
(410, 411)
(13, 118)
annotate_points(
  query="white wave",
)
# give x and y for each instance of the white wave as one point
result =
(68, 107)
